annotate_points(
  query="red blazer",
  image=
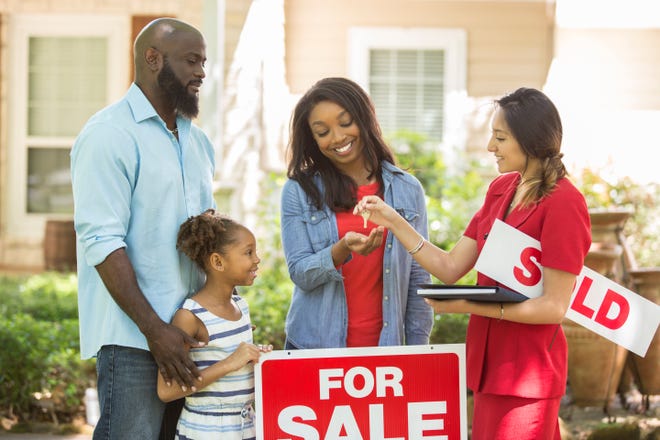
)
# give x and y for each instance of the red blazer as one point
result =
(527, 360)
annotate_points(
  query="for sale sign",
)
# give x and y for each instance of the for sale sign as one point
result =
(513, 258)
(376, 393)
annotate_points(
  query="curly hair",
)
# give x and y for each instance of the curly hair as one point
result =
(535, 123)
(201, 235)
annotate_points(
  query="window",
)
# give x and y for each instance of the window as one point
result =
(64, 69)
(412, 76)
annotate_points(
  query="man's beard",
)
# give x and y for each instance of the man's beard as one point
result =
(185, 103)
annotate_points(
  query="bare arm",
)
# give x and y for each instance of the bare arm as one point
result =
(446, 266)
(244, 354)
(167, 343)
(191, 325)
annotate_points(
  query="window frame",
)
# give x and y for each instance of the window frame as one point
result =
(116, 29)
(453, 41)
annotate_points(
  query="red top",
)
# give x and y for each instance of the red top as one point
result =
(527, 360)
(363, 281)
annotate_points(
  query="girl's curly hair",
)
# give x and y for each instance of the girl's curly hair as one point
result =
(201, 235)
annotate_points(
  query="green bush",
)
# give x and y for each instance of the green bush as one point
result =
(452, 199)
(41, 373)
(49, 296)
(270, 295)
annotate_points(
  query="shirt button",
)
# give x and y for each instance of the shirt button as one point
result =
(386, 297)
(384, 324)
(313, 217)
(389, 246)
(387, 271)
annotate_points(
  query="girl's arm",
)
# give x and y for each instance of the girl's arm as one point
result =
(190, 324)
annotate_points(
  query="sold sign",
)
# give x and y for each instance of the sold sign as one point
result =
(512, 258)
(375, 393)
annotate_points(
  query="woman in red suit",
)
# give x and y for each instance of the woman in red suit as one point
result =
(516, 352)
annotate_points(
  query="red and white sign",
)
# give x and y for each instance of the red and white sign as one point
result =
(512, 258)
(375, 393)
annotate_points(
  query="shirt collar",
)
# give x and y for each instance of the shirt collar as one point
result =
(140, 105)
(143, 109)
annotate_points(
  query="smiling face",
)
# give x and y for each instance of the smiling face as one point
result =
(240, 260)
(337, 136)
(508, 153)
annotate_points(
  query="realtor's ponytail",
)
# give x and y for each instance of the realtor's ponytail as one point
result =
(535, 123)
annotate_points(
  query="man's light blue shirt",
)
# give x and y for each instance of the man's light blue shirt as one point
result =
(133, 186)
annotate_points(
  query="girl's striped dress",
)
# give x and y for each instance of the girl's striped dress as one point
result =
(222, 410)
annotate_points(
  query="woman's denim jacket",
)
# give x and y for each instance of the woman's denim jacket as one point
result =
(318, 315)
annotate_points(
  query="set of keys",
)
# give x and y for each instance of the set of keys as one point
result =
(365, 216)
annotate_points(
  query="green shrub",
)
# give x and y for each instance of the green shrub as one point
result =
(270, 295)
(452, 199)
(41, 373)
(50, 296)
(449, 328)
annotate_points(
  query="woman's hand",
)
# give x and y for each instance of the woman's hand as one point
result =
(379, 211)
(363, 244)
(448, 305)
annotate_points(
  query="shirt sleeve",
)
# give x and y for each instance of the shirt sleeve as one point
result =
(309, 266)
(103, 173)
(566, 234)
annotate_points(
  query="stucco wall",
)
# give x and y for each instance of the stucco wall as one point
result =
(509, 43)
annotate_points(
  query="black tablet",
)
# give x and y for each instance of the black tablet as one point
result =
(472, 293)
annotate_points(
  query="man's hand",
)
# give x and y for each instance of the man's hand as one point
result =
(169, 346)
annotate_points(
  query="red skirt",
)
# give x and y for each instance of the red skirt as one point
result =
(508, 417)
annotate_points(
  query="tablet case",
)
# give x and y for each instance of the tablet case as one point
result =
(472, 293)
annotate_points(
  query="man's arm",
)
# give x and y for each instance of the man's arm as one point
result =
(167, 343)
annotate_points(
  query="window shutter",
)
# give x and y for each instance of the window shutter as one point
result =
(67, 79)
(408, 91)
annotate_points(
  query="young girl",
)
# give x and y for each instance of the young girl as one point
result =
(221, 405)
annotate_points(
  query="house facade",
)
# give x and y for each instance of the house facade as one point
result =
(431, 66)
(59, 63)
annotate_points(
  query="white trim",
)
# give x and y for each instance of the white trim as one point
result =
(20, 223)
(452, 41)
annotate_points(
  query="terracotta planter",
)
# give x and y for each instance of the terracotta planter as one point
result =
(603, 258)
(60, 245)
(595, 365)
(605, 224)
(607, 227)
(646, 369)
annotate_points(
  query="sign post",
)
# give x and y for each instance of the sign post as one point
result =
(375, 393)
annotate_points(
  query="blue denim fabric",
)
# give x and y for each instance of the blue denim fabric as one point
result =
(318, 315)
(130, 407)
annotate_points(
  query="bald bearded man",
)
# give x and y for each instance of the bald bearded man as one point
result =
(140, 168)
